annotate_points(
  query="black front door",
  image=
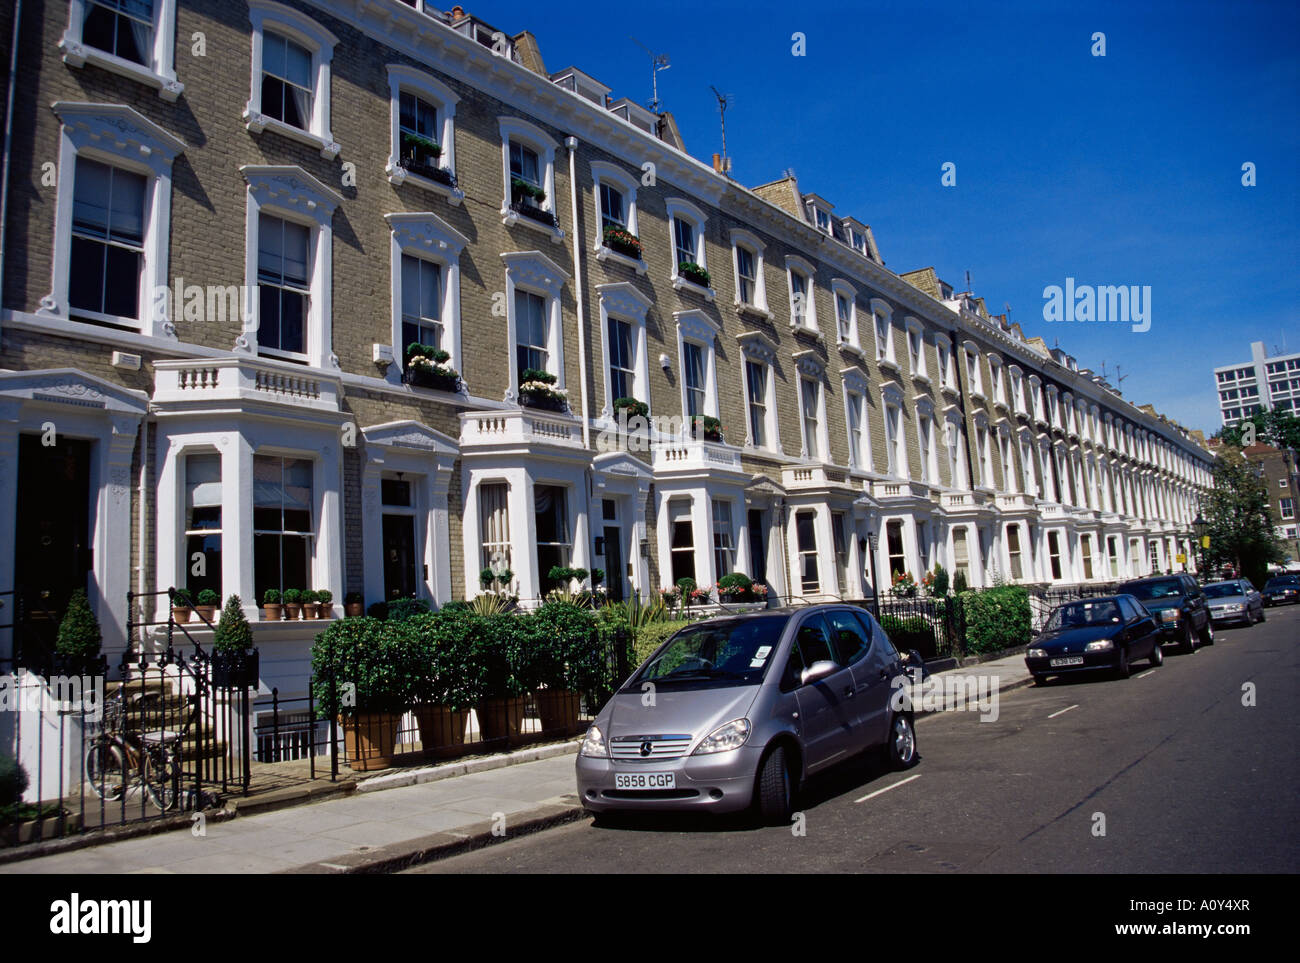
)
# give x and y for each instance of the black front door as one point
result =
(757, 546)
(52, 552)
(399, 556)
(614, 574)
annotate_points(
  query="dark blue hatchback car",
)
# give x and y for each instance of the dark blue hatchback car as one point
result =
(1108, 633)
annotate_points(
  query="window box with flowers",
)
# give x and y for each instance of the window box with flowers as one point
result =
(426, 367)
(623, 242)
(526, 200)
(904, 585)
(708, 428)
(695, 274)
(737, 587)
(633, 408)
(537, 390)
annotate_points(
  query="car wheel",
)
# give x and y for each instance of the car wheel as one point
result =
(900, 750)
(1188, 643)
(1262, 616)
(1157, 654)
(1122, 669)
(775, 789)
(1207, 633)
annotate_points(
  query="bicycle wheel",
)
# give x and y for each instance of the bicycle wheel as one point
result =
(106, 768)
(161, 778)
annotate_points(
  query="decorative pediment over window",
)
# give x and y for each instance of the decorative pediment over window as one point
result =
(808, 363)
(534, 269)
(410, 435)
(292, 188)
(854, 379)
(892, 393)
(424, 229)
(696, 325)
(624, 300)
(924, 406)
(754, 345)
(119, 130)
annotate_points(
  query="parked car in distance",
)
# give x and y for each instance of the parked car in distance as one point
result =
(1179, 607)
(1282, 590)
(1108, 633)
(738, 711)
(1234, 600)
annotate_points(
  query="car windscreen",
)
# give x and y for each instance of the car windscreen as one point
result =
(728, 652)
(1169, 588)
(1075, 615)
(1222, 590)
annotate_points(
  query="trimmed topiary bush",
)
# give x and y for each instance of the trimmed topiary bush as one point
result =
(13, 781)
(79, 636)
(232, 634)
(996, 619)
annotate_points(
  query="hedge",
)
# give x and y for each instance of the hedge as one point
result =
(997, 618)
(910, 633)
(650, 637)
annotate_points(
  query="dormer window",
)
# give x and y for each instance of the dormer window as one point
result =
(859, 241)
(823, 220)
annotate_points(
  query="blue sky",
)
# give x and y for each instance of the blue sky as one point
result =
(1123, 169)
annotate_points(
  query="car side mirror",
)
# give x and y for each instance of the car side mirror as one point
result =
(818, 671)
(916, 666)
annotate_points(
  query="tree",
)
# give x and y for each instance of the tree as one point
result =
(1240, 526)
(1275, 427)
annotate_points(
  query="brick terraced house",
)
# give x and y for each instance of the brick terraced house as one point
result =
(225, 221)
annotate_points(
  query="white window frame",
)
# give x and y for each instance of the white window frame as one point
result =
(954, 449)
(883, 311)
(612, 175)
(623, 302)
(534, 272)
(517, 129)
(943, 354)
(402, 78)
(925, 443)
(849, 338)
(289, 192)
(680, 209)
(117, 135)
(699, 329)
(974, 372)
(997, 378)
(1017, 377)
(892, 407)
(159, 74)
(264, 15)
(855, 392)
(756, 349)
(754, 245)
(797, 265)
(920, 370)
(426, 236)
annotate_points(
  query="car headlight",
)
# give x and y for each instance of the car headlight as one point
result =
(724, 738)
(1101, 645)
(1037, 653)
(1170, 615)
(593, 744)
(1233, 607)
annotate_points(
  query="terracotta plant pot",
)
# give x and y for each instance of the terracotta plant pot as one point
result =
(370, 739)
(353, 609)
(324, 610)
(272, 613)
(500, 718)
(293, 610)
(441, 726)
(208, 612)
(181, 615)
(309, 610)
(558, 709)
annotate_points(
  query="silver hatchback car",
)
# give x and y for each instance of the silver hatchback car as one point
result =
(738, 711)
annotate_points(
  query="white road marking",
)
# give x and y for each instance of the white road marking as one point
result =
(333, 866)
(1063, 711)
(872, 795)
(1143, 675)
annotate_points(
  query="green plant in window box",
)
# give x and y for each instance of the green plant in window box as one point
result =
(694, 273)
(708, 428)
(624, 242)
(182, 605)
(521, 188)
(308, 604)
(206, 605)
(424, 143)
(633, 408)
(272, 610)
(292, 603)
(537, 390)
(324, 603)
(427, 367)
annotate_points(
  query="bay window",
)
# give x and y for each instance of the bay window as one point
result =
(203, 523)
(805, 526)
(283, 532)
(494, 525)
(724, 543)
(553, 537)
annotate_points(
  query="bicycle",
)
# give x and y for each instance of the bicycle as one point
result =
(119, 759)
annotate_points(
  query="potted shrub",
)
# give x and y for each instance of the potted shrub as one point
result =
(292, 603)
(496, 655)
(521, 191)
(735, 587)
(354, 604)
(234, 660)
(272, 610)
(633, 408)
(708, 428)
(324, 604)
(694, 273)
(182, 605)
(206, 605)
(562, 659)
(537, 390)
(79, 636)
(360, 672)
(443, 678)
(308, 604)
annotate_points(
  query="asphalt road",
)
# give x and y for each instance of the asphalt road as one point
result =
(1187, 778)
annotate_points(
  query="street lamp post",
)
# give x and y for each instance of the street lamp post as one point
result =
(870, 541)
(1200, 527)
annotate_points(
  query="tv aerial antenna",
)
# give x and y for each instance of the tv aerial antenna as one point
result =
(658, 62)
(724, 101)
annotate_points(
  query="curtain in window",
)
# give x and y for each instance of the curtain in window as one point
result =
(494, 516)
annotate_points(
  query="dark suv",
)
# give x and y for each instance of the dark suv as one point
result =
(1179, 606)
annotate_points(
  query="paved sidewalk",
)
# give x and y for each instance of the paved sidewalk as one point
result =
(408, 822)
